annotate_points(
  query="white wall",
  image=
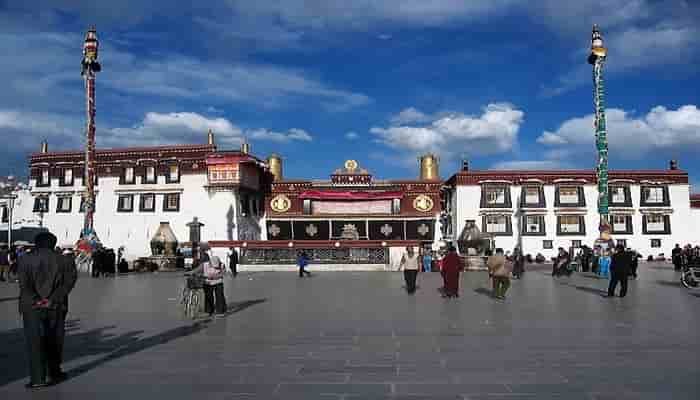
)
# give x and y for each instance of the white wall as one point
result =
(685, 224)
(134, 230)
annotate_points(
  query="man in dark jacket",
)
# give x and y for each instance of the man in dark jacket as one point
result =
(233, 261)
(676, 257)
(45, 279)
(620, 265)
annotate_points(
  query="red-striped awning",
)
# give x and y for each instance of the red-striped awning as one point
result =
(350, 195)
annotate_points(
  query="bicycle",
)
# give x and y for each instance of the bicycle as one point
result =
(192, 296)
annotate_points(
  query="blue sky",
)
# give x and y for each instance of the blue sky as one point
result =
(503, 83)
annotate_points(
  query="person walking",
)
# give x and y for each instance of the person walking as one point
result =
(451, 266)
(500, 271)
(676, 258)
(518, 263)
(619, 269)
(427, 260)
(302, 262)
(45, 281)
(233, 261)
(634, 262)
(4, 263)
(213, 270)
(410, 264)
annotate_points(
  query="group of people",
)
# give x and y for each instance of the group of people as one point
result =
(450, 266)
(685, 256)
(500, 269)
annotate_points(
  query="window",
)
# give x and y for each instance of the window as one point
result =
(576, 244)
(44, 178)
(499, 225)
(5, 211)
(41, 204)
(547, 244)
(495, 196)
(306, 207)
(621, 242)
(532, 196)
(621, 224)
(64, 204)
(656, 224)
(396, 206)
(128, 176)
(569, 196)
(620, 196)
(67, 178)
(655, 243)
(533, 225)
(654, 196)
(571, 225)
(173, 174)
(147, 202)
(171, 202)
(125, 203)
(149, 175)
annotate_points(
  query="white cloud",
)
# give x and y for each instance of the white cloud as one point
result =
(172, 128)
(281, 137)
(629, 137)
(529, 165)
(494, 131)
(27, 129)
(351, 135)
(410, 115)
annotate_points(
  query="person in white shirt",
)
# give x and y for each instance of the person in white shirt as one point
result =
(410, 264)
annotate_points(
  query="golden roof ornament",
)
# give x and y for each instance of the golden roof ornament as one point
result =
(351, 165)
(598, 49)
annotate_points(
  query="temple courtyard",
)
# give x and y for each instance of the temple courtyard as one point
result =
(358, 335)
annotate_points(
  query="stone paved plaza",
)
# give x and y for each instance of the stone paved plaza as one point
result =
(357, 335)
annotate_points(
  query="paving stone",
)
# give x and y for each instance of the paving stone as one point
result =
(344, 336)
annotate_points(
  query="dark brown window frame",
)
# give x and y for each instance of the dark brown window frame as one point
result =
(541, 222)
(59, 201)
(122, 176)
(666, 202)
(509, 224)
(582, 225)
(168, 178)
(628, 196)
(165, 202)
(40, 178)
(507, 203)
(142, 198)
(667, 226)
(541, 203)
(581, 195)
(119, 203)
(37, 204)
(144, 176)
(62, 179)
(629, 230)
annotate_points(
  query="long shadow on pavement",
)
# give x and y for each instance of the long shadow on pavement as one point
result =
(233, 308)
(675, 284)
(485, 292)
(587, 289)
(95, 342)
